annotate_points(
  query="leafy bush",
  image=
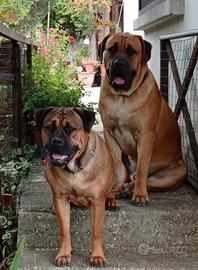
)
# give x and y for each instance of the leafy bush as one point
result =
(45, 86)
(14, 167)
(50, 82)
(82, 17)
(8, 232)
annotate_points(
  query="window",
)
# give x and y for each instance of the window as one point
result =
(155, 12)
(145, 5)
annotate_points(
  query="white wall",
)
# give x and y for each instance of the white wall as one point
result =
(130, 14)
(177, 25)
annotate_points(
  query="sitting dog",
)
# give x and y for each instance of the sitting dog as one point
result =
(80, 170)
(138, 123)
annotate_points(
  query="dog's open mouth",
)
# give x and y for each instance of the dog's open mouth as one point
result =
(119, 82)
(60, 160)
(60, 157)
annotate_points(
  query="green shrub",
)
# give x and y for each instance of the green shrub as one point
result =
(47, 85)
(50, 82)
(14, 168)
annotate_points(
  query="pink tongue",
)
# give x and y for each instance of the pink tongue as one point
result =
(59, 157)
(118, 80)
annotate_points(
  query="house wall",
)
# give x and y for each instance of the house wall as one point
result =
(130, 14)
(176, 25)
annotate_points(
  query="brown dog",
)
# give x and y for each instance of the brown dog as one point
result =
(137, 121)
(80, 170)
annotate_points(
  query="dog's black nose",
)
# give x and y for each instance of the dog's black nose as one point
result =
(57, 141)
(119, 63)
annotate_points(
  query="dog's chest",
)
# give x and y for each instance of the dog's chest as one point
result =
(120, 123)
(75, 184)
(78, 184)
(126, 139)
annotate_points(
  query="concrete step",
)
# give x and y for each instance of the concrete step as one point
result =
(139, 237)
(117, 258)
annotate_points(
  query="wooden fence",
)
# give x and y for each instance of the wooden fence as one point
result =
(15, 53)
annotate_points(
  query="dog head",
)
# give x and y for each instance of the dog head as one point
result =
(64, 131)
(125, 59)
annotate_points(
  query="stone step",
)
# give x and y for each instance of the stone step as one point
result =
(117, 258)
(170, 219)
(134, 236)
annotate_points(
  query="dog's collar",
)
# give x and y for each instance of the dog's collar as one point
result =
(89, 156)
(81, 164)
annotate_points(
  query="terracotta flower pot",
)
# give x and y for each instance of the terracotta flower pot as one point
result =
(86, 78)
(89, 67)
(102, 69)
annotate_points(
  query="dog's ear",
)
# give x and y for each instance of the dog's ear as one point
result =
(146, 50)
(40, 115)
(101, 47)
(88, 118)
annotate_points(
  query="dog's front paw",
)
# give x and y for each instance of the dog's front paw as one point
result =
(140, 197)
(97, 261)
(63, 260)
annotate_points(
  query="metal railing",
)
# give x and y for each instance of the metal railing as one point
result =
(179, 87)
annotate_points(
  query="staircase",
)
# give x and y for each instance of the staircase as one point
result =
(163, 235)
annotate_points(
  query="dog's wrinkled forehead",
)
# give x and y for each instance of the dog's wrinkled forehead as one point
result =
(63, 115)
(121, 42)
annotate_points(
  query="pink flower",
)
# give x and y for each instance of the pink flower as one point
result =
(57, 36)
(63, 32)
(43, 51)
(51, 30)
(51, 41)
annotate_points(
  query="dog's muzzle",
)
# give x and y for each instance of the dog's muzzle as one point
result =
(120, 74)
(61, 151)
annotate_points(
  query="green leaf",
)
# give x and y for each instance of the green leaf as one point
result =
(3, 220)
(18, 256)
(6, 236)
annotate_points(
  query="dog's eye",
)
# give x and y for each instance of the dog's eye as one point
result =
(130, 51)
(113, 49)
(49, 127)
(69, 129)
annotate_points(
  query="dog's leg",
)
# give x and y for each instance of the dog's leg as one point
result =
(62, 209)
(120, 169)
(121, 173)
(112, 145)
(167, 179)
(97, 209)
(144, 150)
(119, 180)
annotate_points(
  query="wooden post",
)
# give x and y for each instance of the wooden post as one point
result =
(29, 56)
(16, 91)
(164, 70)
